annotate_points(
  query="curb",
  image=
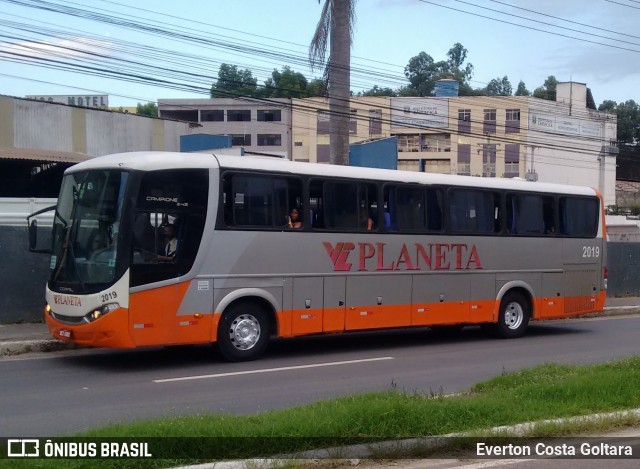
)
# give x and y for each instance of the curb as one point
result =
(28, 346)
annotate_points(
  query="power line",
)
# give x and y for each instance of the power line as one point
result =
(564, 19)
(102, 71)
(527, 27)
(623, 4)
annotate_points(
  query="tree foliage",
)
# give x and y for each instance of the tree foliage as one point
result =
(149, 109)
(378, 91)
(548, 90)
(522, 90)
(233, 83)
(499, 87)
(286, 84)
(423, 71)
(628, 114)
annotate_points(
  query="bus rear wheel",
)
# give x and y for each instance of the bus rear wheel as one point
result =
(243, 332)
(513, 319)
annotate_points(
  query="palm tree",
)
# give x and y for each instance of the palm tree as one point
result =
(336, 29)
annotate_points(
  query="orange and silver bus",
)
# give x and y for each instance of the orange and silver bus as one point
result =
(376, 249)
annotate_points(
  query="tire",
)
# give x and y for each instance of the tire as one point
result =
(513, 319)
(243, 332)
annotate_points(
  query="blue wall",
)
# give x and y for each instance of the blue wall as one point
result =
(382, 153)
(200, 142)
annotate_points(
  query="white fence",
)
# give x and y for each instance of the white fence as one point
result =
(15, 210)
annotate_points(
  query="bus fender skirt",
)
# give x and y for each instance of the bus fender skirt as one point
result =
(510, 286)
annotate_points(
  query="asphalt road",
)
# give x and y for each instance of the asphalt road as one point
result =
(58, 393)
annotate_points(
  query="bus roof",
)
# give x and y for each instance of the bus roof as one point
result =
(157, 160)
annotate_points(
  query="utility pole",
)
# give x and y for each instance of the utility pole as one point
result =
(531, 172)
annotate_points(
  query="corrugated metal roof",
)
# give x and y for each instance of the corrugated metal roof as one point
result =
(36, 154)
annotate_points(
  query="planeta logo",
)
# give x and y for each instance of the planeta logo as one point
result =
(379, 256)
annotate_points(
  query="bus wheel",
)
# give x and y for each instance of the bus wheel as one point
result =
(515, 312)
(243, 332)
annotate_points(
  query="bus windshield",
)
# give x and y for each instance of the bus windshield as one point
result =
(86, 231)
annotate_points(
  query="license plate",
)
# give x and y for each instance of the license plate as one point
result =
(64, 333)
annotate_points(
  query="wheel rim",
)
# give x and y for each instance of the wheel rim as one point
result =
(244, 332)
(513, 315)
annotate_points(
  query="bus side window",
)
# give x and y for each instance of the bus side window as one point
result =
(168, 196)
(254, 200)
(316, 204)
(530, 214)
(389, 207)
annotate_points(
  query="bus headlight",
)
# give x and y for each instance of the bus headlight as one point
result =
(101, 311)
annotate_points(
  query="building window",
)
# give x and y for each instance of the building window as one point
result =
(512, 121)
(464, 120)
(511, 160)
(269, 140)
(375, 121)
(323, 122)
(513, 114)
(216, 115)
(489, 123)
(297, 144)
(270, 116)
(408, 165)
(241, 140)
(409, 142)
(436, 142)
(239, 116)
(353, 121)
(437, 166)
(464, 115)
(490, 114)
(464, 160)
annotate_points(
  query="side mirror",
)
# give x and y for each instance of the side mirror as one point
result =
(33, 231)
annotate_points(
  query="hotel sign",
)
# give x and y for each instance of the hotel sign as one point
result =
(98, 101)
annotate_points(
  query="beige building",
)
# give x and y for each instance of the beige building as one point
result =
(257, 125)
(565, 141)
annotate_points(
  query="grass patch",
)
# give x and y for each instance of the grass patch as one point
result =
(547, 391)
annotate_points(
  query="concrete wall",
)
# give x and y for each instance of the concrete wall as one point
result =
(95, 132)
(23, 276)
(624, 266)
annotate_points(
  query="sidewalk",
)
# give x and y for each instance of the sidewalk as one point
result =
(16, 339)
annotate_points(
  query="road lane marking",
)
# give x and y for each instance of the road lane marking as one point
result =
(271, 370)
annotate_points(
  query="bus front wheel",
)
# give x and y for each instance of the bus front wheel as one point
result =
(243, 332)
(515, 311)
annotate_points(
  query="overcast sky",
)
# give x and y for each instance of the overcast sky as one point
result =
(596, 42)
